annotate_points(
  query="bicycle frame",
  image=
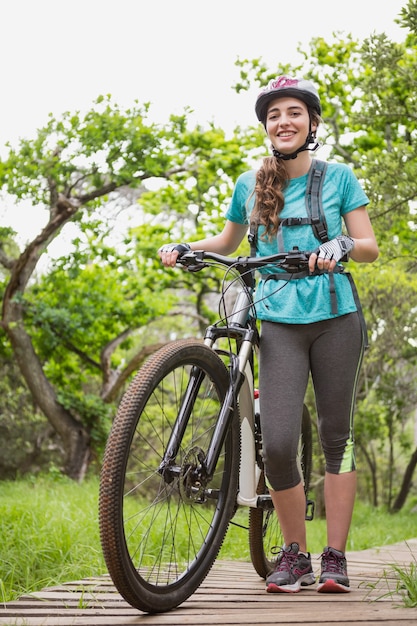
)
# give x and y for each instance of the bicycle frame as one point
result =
(241, 391)
(179, 419)
(242, 378)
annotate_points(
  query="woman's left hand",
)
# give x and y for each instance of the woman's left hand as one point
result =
(330, 252)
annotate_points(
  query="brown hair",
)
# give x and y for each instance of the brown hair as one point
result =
(271, 179)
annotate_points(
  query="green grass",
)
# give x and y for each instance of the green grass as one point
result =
(49, 534)
(407, 584)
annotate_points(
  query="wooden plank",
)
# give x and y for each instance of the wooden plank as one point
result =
(232, 594)
(363, 617)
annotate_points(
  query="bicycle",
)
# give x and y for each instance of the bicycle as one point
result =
(185, 453)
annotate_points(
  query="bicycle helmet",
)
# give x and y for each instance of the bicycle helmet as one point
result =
(284, 86)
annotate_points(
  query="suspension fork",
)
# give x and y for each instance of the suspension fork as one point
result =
(166, 467)
(237, 368)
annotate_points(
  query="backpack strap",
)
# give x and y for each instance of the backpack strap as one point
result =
(360, 310)
(253, 236)
(314, 203)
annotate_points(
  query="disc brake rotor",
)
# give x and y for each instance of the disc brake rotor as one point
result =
(192, 482)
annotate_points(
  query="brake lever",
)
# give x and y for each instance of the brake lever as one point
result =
(195, 268)
(191, 261)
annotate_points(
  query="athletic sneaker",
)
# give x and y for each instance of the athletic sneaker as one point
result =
(292, 571)
(334, 578)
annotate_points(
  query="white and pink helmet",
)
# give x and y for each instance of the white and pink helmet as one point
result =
(285, 86)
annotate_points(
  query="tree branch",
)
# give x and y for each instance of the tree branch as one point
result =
(6, 261)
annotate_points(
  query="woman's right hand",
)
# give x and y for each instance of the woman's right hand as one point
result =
(170, 252)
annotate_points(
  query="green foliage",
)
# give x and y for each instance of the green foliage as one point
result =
(102, 300)
(408, 17)
(96, 308)
(407, 584)
(106, 146)
(49, 534)
(28, 441)
(92, 411)
(388, 394)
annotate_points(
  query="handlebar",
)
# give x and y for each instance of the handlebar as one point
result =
(293, 261)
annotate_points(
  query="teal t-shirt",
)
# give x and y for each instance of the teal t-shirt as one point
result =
(304, 300)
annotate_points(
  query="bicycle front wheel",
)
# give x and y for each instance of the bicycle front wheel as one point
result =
(161, 529)
(265, 535)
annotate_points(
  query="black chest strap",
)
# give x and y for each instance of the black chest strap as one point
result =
(305, 274)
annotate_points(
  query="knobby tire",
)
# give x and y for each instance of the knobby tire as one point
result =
(161, 534)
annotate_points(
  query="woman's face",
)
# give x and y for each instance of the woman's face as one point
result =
(288, 124)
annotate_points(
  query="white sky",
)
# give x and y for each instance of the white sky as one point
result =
(58, 55)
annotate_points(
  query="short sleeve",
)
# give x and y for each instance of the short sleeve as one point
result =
(243, 199)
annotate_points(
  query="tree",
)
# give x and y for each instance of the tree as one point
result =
(389, 391)
(82, 312)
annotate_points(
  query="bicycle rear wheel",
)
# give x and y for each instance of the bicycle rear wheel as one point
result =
(161, 529)
(265, 534)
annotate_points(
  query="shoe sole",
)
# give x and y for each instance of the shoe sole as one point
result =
(304, 581)
(332, 586)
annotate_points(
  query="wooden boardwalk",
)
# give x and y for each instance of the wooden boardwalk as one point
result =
(233, 594)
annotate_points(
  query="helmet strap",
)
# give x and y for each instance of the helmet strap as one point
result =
(311, 139)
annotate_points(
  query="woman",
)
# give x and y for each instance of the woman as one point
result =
(304, 330)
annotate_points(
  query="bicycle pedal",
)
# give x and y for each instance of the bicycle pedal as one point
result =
(264, 502)
(310, 510)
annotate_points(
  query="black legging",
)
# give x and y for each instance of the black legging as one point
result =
(332, 350)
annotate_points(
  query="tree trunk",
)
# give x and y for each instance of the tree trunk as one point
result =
(406, 484)
(75, 438)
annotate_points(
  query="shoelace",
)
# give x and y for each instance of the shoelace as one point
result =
(286, 561)
(333, 562)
